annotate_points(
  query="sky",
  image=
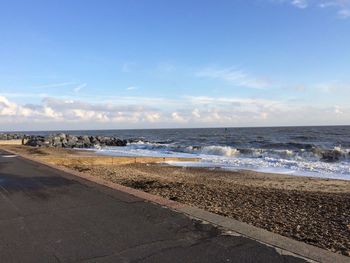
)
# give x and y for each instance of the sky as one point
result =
(118, 64)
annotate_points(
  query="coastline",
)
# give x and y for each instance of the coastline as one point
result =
(313, 210)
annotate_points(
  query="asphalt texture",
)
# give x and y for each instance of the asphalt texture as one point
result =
(50, 216)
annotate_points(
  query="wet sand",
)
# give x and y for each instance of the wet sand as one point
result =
(313, 210)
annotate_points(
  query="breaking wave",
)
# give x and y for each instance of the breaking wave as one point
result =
(310, 152)
(302, 159)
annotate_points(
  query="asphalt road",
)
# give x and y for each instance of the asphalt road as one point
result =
(49, 216)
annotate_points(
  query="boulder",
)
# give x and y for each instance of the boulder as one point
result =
(62, 136)
(36, 141)
(331, 155)
(71, 141)
(11, 136)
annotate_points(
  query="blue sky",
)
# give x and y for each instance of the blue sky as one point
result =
(151, 64)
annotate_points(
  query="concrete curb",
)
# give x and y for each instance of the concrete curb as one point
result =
(284, 244)
(287, 244)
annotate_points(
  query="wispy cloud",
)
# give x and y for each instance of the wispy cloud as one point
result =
(344, 13)
(342, 7)
(165, 67)
(23, 95)
(79, 87)
(127, 67)
(335, 87)
(300, 3)
(131, 88)
(56, 85)
(235, 77)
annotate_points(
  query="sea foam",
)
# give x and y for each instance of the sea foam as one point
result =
(309, 162)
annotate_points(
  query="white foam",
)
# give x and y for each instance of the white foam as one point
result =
(264, 160)
(216, 150)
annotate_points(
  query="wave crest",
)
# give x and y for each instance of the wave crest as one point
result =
(308, 153)
(213, 150)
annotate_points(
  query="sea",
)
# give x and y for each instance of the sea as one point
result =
(301, 151)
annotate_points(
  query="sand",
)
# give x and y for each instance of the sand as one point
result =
(313, 210)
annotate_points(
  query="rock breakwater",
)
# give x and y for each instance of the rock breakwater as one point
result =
(71, 141)
(63, 140)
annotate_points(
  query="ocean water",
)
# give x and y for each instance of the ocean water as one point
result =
(311, 151)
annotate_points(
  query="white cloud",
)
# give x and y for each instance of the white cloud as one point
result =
(196, 113)
(152, 117)
(177, 117)
(182, 112)
(234, 76)
(8, 108)
(49, 112)
(88, 115)
(338, 110)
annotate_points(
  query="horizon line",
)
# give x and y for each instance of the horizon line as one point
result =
(187, 128)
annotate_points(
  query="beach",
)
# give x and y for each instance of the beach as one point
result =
(312, 210)
(131, 130)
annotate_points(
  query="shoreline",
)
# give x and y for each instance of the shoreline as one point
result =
(250, 164)
(313, 210)
(285, 157)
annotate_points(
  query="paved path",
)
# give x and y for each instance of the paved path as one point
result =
(49, 216)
